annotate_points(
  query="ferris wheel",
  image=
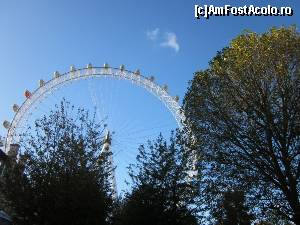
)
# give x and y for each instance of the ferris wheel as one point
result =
(47, 89)
(60, 80)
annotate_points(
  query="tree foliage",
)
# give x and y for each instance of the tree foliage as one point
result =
(245, 112)
(165, 191)
(232, 210)
(59, 177)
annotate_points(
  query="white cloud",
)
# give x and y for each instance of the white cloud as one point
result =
(152, 34)
(171, 41)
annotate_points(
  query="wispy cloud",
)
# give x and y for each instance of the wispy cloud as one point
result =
(152, 34)
(171, 41)
(166, 39)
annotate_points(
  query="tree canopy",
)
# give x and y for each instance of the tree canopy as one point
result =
(232, 210)
(245, 113)
(58, 177)
(165, 191)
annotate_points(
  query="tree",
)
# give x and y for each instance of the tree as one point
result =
(232, 210)
(245, 112)
(164, 189)
(59, 177)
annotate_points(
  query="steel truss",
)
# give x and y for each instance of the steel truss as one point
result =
(58, 81)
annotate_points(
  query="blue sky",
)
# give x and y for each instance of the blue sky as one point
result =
(160, 37)
(39, 37)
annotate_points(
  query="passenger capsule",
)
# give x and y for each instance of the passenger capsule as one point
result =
(15, 108)
(41, 83)
(72, 68)
(56, 74)
(137, 72)
(165, 87)
(27, 94)
(106, 66)
(6, 124)
(89, 66)
(122, 67)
